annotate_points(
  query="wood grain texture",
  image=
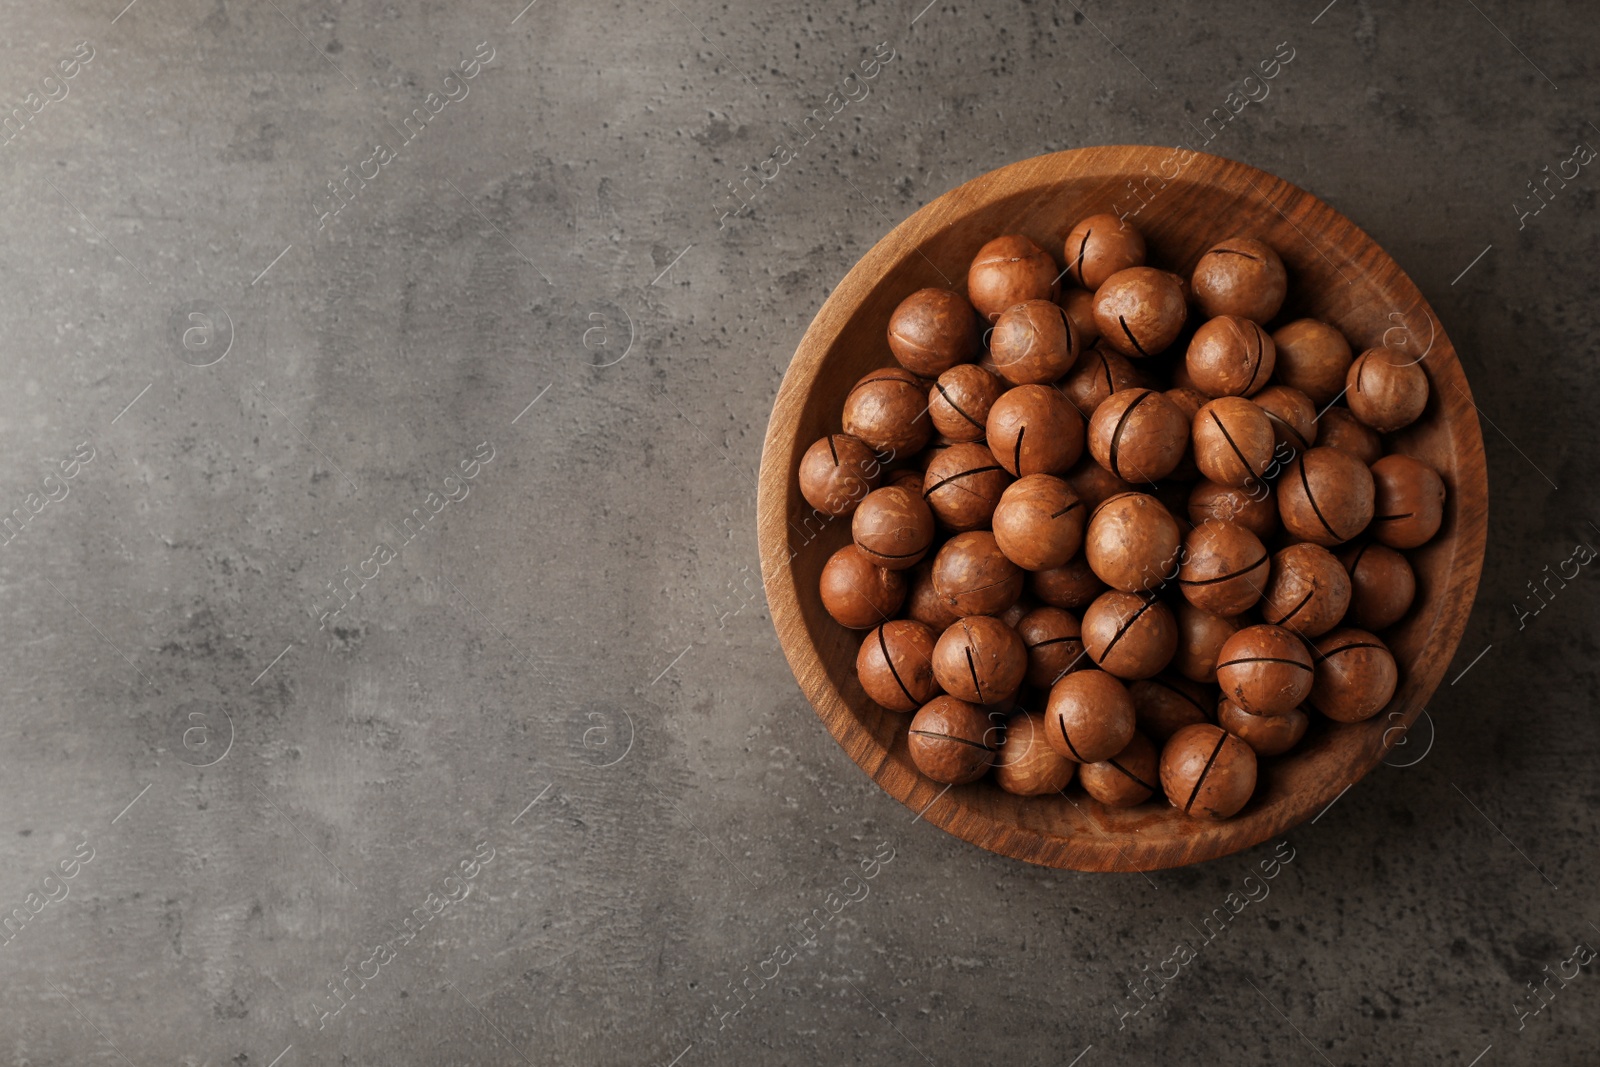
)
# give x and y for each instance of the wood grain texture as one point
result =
(1337, 273)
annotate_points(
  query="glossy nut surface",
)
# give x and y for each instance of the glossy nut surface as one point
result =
(893, 527)
(888, 410)
(1073, 585)
(1039, 522)
(1308, 592)
(1230, 356)
(963, 484)
(932, 330)
(895, 664)
(1140, 311)
(1293, 417)
(1034, 429)
(1265, 669)
(952, 741)
(1099, 372)
(1079, 306)
(1313, 357)
(1240, 276)
(1201, 636)
(973, 577)
(1326, 497)
(1132, 543)
(858, 593)
(980, 659)
(1127, 779)
(1337, 428)
(1054, 640)
(1033, 342)
(1386, 389)
(1408, 501)
(1166, 704)
(1026, 764)
(837, 473)
(1233, 442)
(1007, 271)
(959, 402)
(1382, 585)
(1207, 772)
(1224, 568)
(1089, 716)
(1129, 636)
(1252, 507)
(923, 602)
(1139, 435)
(1267, 735)
(1356, 675)
(1100, 246)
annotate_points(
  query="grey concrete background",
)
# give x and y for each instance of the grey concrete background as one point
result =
(266, 801)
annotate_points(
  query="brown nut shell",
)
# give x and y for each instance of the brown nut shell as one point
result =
(932, 330)
(1039, 522)
(1230, 356)
(923, 602)
(1386, 389)
(1007, 271)
(1408, 501)
(1251, 507)
(1033, 342)
(1054, 640)
(1100, 246)
(1129, 636)
(1267, 735)
(960, 400)
(893, 527)
(963, 484)
(1089, 717)
(895, 664)
(1073, 585)
(1207, 772)
(1099, 372)
(1079, 306)
(837, 473)
(1026, 764)
(1140, 311)
(1382, 585)
(1265, 670)
(1356, 675)
(1233, 442)
(1201, 636)
(1240, 276)
(1132, 543)
(1139, 435)
(887, 409)
(1313, 358)
(1034, 429)
(1224, 568)
(952, 741)
(1337, 428)
(1293, 417)
(980, 659)
(974, 577)
(858, 593)
(1127, 779)
(1166, 704)
(1308, 592)
(1325, 496)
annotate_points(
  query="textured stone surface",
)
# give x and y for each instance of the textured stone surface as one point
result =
(585, 627)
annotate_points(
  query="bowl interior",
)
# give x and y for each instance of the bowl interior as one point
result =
(1184, 203)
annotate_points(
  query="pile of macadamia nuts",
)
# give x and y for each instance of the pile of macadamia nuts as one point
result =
(1122, 530)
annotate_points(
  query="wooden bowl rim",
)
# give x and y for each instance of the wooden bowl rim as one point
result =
(780, 457)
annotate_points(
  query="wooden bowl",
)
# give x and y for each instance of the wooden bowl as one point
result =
(1337, 273)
